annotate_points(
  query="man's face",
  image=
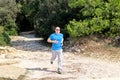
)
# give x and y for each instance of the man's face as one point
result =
(57, 30)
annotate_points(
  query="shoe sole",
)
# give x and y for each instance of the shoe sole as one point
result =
(59, 72)
(51, 62)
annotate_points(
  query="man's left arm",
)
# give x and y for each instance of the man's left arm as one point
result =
(62, 41)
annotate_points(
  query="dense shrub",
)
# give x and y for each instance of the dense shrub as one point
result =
(44, 15)
(8, 13)
(96, 17)
(4, 37)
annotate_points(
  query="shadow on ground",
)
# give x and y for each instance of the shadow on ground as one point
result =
(41, 69)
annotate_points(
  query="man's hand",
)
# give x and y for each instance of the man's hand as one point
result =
(55, 41)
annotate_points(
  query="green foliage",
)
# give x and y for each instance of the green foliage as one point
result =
(10, 26)
(1, 29)
(8, 12)
(4, 37)
(98, 17)
(46, 14)
(75, 17)
(77, 29)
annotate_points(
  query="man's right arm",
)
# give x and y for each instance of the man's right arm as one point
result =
(51, 41)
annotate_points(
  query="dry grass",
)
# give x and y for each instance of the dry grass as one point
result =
(98, 48)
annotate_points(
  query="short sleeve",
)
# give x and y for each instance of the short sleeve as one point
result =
(51, 36)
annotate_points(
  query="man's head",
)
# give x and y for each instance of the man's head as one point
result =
(57, 29)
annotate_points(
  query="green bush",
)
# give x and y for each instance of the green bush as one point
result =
(4, 37)
(8, 13)
(95, 17)
(77, 29)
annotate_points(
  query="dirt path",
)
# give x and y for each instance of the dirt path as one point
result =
(36, 59)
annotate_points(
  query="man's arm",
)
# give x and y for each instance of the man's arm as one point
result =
(51, 41)
(62, 41)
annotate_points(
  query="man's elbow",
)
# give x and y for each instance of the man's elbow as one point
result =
(48, 40)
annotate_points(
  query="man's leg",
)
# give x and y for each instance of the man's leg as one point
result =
(60, 61)
(53, 56)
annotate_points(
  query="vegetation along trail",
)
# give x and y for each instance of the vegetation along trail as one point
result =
(35, 58)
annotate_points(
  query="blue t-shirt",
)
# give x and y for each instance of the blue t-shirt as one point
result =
(57, 37)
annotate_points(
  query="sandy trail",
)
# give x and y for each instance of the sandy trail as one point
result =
(36, 59)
